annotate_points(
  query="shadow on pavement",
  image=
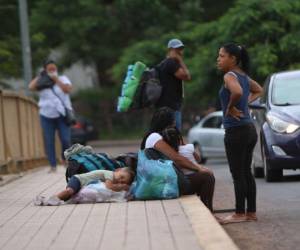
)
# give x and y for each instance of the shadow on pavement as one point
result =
(291, 178)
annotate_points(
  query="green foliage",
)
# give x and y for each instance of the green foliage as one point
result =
(113, 34)
(100, 106)
(269, 29)
(98, 31)
(10, 59)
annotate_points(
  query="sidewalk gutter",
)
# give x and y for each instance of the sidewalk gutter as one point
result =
(210, 234)
(8, 178)
(5, 179)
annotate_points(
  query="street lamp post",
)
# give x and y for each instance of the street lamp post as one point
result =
(26, 51)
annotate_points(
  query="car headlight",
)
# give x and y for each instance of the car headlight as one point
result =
(281, 126)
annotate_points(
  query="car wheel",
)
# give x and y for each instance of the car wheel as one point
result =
(198, 150)
(271, 175)
(258, 172)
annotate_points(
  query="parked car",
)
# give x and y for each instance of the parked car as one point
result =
(277, 119)
(208, 136)
(83, 131)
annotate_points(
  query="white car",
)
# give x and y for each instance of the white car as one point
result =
(208, 136)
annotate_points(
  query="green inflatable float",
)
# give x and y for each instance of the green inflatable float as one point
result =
(129, 86)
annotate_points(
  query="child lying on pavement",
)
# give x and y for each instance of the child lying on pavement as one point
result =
(117, 181)
(97, 192)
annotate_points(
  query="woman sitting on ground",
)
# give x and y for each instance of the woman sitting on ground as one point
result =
(201, 179)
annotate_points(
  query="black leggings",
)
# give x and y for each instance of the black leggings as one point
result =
(239, 144)
(203, 184)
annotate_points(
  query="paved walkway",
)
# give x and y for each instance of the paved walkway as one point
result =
(180, 224)
(133, 225)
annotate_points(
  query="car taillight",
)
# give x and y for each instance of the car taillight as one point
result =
(77, 125)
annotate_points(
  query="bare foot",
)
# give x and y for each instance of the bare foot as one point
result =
(218, 219)
(64, 163)
(251, 216)
(234, 218)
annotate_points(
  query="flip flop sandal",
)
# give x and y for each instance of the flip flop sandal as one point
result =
(251, 218)
(234, 219)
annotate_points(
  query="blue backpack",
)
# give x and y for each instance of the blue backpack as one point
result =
(82, 163)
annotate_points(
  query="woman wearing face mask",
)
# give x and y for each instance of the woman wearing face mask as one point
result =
(53, 99)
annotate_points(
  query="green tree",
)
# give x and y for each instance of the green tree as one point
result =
(9, 40)
(98, 31)
(269, 29)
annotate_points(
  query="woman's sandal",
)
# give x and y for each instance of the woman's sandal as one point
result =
(234, 218)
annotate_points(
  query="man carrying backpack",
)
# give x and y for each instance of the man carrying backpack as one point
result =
(172, 73)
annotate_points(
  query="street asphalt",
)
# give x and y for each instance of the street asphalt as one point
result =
(278, 210)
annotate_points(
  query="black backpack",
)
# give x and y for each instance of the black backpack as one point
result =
(44, 81)
(83, 163)
(149, 89)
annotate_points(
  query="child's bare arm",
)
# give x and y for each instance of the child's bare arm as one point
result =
(117, 187)
(197, 157)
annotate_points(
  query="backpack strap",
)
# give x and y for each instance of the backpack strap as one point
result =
(106, 160)
(233, 74)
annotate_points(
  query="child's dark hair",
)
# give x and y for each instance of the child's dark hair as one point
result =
(128, 159)
(173, 137)
(241, 55)
(164, 117)
(130, 172)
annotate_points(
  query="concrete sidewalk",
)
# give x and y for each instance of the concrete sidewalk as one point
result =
(171, 224)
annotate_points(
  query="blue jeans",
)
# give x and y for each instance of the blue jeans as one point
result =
(178, 119)
(49, 126)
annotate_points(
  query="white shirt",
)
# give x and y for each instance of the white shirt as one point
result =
(152, 140)
(186, 151)
(49, 104)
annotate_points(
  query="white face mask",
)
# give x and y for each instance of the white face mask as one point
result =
(53, 73)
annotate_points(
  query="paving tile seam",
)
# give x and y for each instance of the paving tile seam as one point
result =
(29, 240)
(126, 226)
(20, 228)
(104, 226)
(174, 241)
(83, 227)
(18, 197)
(23, 207)
(61, 228)
(39, 228)
(148, 226)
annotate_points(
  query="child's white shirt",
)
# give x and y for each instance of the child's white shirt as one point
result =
(187, 151)
(97, 192)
